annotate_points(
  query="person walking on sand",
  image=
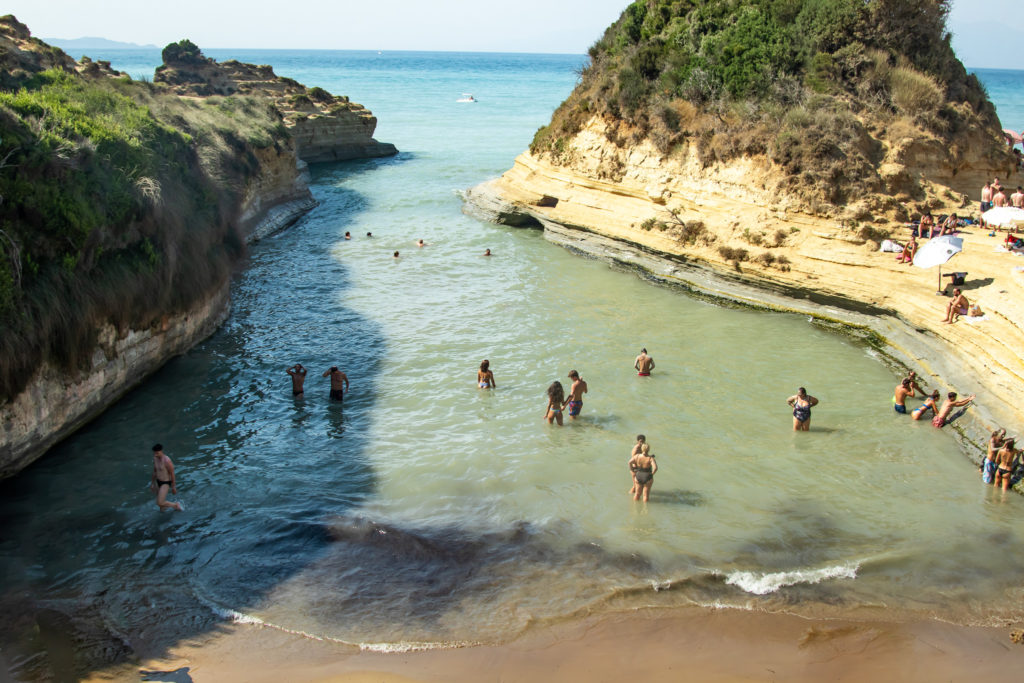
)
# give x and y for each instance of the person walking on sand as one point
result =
(899, 398)
(556, 398)
(576, 391)
(930, 402)
(298, 375)
(947, 406)
(644, 364)
(484, 376)
(957, 307)
(644, 467)
(163, 480)
(801, 404)
(1006, 460)
(339, 382)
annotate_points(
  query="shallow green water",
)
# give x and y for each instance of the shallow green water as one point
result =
(429, 511)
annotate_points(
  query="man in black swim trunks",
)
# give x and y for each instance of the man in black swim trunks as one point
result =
(298, 374)
(339, 382)
(163, 480)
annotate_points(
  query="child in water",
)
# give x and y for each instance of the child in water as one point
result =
(556, 397)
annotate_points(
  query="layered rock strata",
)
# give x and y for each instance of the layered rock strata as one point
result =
(324, 127)
(725, 232)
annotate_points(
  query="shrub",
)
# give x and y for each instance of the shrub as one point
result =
(914, 92)
(182, 52)
(733, 254)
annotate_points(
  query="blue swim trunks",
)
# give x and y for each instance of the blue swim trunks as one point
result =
(575, 407)
(902, 410)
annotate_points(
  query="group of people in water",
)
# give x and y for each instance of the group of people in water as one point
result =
(1002, 465)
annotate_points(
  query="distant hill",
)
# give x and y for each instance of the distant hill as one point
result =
(90, 43)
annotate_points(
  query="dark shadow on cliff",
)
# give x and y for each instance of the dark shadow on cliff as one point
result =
(85, 555)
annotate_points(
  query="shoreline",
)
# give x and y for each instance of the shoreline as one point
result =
(837, 281)
(658, 644)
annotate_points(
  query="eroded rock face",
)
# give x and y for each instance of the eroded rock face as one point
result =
(55, 404)
(325, 127)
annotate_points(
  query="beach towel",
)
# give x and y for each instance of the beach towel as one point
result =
(974, 319)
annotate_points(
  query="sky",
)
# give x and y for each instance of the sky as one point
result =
(981, 40)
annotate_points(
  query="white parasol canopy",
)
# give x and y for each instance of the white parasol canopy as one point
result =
(937, 251)
(1004, 217)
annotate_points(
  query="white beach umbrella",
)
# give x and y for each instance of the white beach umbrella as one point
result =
(937, 251)
(1004, 217)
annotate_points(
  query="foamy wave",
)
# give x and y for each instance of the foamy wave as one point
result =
(762, 584)
(250, 620)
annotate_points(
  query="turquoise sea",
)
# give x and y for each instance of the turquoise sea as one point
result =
(429, 513)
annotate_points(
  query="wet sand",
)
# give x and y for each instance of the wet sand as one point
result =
(685, 644)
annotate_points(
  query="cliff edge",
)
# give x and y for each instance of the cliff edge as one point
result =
(776, 145)
(124, 208)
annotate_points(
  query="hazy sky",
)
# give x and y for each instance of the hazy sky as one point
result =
(981, 40)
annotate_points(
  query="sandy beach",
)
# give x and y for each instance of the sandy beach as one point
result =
(685, 644)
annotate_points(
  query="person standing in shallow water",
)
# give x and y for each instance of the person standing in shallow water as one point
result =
(644, 364)
(801, 404)
(163, 481)
(643, 466)
(298, 375)
(576, 391)
(484, 376)
(339, 382)
(900, 395)
(556, 399)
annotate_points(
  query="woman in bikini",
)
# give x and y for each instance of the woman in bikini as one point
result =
(643, 466)
(640, 441)
(1006, 460)
(556, 397)
(918, 412)
(484, 376)
(801, 404)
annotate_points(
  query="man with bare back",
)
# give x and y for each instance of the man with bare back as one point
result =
(644, 364)
(339, 382)
(575, 400)
(298, 375)
(163, 480)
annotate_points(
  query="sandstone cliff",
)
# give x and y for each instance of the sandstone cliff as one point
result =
(151, 190)
(325, 127)
(790, 192)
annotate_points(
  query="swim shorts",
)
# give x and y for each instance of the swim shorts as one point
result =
(337, 394)
(575, 407)
(902, 410)
(643, 374)
(938, 421)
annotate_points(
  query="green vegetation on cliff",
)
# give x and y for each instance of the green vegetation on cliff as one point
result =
(118, 203)
(802, 82)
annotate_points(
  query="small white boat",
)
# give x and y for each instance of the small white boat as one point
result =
(466, 97)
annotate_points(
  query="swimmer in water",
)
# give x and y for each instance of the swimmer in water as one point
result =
(163, 481)
(484, 376)
(643, 466)
(556, 399)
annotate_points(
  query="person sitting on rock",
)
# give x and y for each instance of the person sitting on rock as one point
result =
(957, 307)
(950, 225)
(907, 256)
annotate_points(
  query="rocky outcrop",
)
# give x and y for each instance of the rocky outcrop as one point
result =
(325, 127)
(257, 167)
(55, 404)
(724, 231)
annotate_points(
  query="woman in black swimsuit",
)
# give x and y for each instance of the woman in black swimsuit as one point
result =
(801, 404)
(643, 466)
